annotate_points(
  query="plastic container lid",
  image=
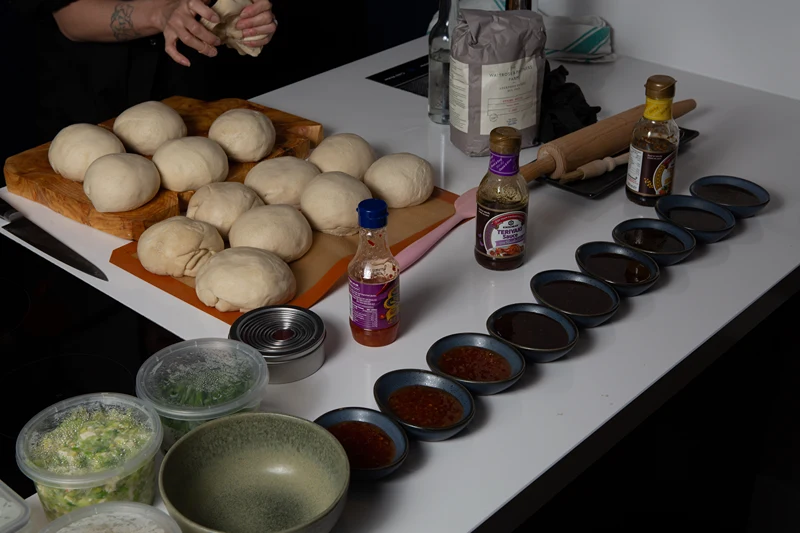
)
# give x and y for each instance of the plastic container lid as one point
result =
(14, 512)
(193, 380)
(49, 419)
(103, 517)
(372, 213)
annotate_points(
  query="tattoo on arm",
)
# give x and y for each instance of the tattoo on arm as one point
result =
(122, 23)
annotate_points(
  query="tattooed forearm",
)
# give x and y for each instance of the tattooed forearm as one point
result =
(122, 23)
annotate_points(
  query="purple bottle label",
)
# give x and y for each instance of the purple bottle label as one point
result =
(504, 165)
(374, 305)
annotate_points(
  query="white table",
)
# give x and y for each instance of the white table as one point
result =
(522, 436)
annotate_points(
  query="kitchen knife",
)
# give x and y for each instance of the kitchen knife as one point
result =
(32, 234)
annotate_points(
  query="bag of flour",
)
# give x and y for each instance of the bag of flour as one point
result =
(496, 73)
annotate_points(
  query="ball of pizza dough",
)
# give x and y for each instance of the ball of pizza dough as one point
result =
(76, 147)
(401, 180)
(188, 163)
(146, 126)
(121, 182)
(281, 180)
(178, 246)
(244, 134)
(329, 202)
(280, 229)
(244, 279)
(343, 152)
(220, 204)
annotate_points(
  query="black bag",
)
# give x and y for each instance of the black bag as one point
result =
(564, 108)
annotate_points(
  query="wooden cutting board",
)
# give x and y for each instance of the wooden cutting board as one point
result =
(28, 174)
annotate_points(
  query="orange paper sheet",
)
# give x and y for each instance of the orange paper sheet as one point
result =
(324, 264)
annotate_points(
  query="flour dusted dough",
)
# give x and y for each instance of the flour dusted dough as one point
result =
(281, 180)
(220, 204)
(280, 229)
(401, 180)
(343, 152)
(121, 182)
(77, 146)
(188, 163)
(178, 246)
(245, 134)
(225, 29)
(244, 279)
(146, 126)
(329, 203)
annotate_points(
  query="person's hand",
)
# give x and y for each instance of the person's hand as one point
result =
(183, 25)
(257, 19)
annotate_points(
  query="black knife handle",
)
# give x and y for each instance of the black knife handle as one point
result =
(7, 212)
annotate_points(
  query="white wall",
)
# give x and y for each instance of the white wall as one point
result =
(755, 43)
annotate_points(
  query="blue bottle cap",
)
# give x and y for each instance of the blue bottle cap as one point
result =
(372, 213)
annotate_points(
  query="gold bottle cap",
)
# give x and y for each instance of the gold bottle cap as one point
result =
(505, 140)
(660, 86)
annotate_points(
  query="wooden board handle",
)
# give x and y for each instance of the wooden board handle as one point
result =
(604, 138)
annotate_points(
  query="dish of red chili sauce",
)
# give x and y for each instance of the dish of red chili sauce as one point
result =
(474, 364)
(366, 445)
(427, 407)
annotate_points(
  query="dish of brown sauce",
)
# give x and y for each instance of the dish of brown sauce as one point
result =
(366, 445)
(575, 297)
(474, 363)
(721, 193)
(426, 407)
(653, 240)
(696, 219)
(531, 330)
(617, 268)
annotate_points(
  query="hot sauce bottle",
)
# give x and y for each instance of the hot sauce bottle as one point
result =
(373, 279)
(502, 205)
(654, 145)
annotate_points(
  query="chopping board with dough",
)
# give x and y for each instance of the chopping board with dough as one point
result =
(29, 174)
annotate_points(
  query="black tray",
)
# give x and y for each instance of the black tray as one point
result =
(599, 186)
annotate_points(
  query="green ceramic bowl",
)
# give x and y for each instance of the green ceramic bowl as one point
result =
(256, 473)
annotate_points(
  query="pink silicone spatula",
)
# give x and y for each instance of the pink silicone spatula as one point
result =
(466, 208)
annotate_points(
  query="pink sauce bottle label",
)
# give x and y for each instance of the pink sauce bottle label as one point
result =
(374, 306)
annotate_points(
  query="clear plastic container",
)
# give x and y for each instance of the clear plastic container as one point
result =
(194, 381)
(114, 517)
(91, 449)
(14, 512)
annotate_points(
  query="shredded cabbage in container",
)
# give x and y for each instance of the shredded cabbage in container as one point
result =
(88, 441)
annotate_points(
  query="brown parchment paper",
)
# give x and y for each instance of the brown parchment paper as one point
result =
(323, 265)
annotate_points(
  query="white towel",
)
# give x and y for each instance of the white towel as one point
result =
(577, 39)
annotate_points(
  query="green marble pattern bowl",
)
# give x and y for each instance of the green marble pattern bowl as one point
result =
(255, 473)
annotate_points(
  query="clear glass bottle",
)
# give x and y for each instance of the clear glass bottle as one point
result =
(373, 278)
(439, 62)
(654, 145)
(502, 198)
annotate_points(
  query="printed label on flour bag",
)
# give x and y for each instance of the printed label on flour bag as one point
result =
(374, 305)
(501, 233)
(508, 95)
(459, 95)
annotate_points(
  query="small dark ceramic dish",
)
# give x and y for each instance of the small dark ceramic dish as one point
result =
(537, 355)
(397, 379)
(582, 320)
(232, 474)
(662, 258)
(504, 350)
(589, 249)
(676, 201)
(739, 211)
(370, 416)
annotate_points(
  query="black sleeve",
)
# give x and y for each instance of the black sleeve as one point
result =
(31, 8)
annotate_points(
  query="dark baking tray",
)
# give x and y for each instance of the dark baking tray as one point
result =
(601, 185)
(411, 76)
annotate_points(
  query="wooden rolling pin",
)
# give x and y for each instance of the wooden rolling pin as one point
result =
(606, 137)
